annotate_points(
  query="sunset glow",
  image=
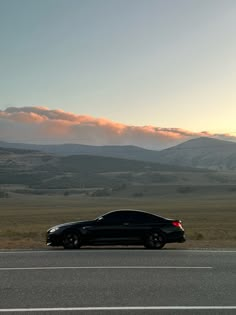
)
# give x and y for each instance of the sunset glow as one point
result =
(43, 125)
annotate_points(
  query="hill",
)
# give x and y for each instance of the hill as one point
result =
(125, 152)
(202, 153)
(39, 170)
(27, 171)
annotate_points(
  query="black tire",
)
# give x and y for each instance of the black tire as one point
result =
(155, 240)
(71, 240)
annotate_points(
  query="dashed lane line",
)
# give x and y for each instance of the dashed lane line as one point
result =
(103, 267)
(115, 308)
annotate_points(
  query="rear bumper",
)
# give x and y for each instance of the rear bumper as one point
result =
(182, 240)
(176, 237)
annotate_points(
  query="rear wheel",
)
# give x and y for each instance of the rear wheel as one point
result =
(71, 240)
(155, 240)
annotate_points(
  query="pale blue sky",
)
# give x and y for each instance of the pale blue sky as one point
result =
(169, 63)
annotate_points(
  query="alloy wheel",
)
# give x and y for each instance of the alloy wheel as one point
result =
(71, 240)
(155, 241)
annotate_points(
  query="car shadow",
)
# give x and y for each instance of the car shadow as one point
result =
(109, 248)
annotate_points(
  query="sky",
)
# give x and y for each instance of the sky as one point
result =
(149, 72)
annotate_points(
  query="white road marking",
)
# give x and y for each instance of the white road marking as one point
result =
(121, 308)
(112, 249)
(104, 267)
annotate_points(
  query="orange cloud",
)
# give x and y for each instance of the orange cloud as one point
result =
(41, 124)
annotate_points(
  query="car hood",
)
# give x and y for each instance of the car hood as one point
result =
(67, 224)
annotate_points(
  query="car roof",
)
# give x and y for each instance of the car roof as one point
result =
(134, 211)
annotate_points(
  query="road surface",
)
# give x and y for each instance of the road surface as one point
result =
(118, 281)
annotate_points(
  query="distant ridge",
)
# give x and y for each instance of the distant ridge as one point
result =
(28, 169)
(39, 170)
(204, 142)
(126, 152)
(203, 152)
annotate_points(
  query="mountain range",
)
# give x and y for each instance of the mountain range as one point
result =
(122, 170)
(203, 152)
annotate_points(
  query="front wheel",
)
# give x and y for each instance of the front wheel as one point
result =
(155, 240)
(71, 240)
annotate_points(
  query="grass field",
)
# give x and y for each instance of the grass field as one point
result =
(209, 219)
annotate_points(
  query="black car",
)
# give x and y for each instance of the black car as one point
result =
(119, 227)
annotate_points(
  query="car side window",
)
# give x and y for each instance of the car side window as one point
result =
(113, 219)
(144, 218)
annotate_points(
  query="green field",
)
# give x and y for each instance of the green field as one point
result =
(209, 217)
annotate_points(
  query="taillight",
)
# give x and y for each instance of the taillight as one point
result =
(177, 224)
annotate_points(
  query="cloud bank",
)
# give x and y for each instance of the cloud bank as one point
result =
(42, 125)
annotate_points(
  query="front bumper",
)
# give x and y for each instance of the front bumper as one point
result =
(53, 240)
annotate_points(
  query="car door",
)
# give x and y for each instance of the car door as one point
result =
(111, 228)
(140, 223)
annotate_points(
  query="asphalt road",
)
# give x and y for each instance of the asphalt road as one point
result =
(118, 281)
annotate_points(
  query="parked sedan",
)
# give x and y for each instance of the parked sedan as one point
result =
(119, 227)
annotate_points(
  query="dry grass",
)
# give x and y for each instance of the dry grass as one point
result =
(209, 221)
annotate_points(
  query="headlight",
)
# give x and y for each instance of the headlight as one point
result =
(53, 229)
